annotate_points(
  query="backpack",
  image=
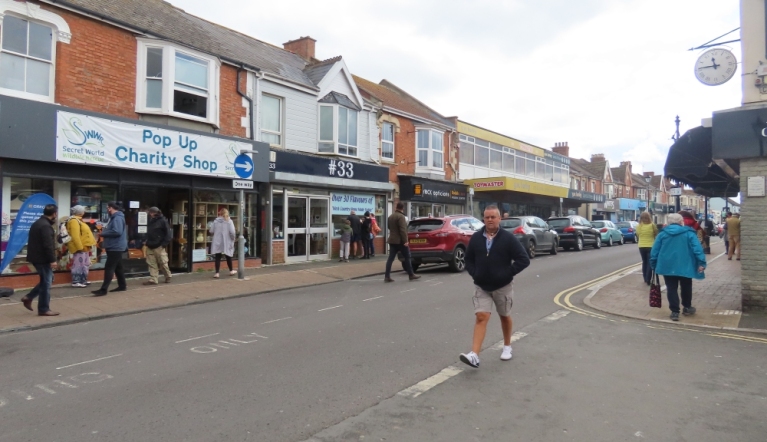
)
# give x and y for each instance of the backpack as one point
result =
(63, 237)
(169, 235)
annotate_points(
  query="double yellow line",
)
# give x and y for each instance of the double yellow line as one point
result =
(563, 298)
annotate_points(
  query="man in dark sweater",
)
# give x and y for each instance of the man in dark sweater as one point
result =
(354, 220)
(493, 258)
(41, 252)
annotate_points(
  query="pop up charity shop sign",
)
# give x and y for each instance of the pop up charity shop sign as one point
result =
(30, 211)
(85, 139)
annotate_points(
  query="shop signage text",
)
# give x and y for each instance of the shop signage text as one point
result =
(98, 141)
(420, 189)
(486, 184)
(517, 185)
(242, 184)
(344, 203)
(586, 196)
(628, 204)
(290, 162)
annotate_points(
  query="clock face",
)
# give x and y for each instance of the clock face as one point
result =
(715, 66)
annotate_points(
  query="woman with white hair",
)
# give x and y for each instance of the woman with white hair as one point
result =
(678, 256)
(80, 246)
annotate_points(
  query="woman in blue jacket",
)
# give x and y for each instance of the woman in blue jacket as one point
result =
(678, 256)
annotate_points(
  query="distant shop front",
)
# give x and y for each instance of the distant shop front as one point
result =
(426, 197)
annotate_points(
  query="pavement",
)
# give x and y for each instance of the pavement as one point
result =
(79, 305)
(717, 298)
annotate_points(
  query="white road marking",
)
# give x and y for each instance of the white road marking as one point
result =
(559, 314)
(514, 338)
(430, 280)
(405, 291)
(370, 299)
(728, 312)
(88, 362)
(262, 337)
(45, 389)
(436, 283)
(431, 382)
(24, 395)
(275, 320)
(329, 308)
(66, 384)
(198, 337)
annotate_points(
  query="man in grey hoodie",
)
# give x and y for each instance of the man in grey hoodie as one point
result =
(115, 243)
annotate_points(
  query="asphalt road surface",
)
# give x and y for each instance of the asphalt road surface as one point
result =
(327, 363)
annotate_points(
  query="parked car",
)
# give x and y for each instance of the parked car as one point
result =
(629, 230)
(575, 232)
(534, 234)
(610, 234)
(441, 240)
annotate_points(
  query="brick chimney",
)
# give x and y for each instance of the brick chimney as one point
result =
(561, 148)
(598, 157)
(627, 164)
(649, 174)
(304, 47)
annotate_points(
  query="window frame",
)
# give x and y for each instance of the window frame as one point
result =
(335, 141)
(280, 117)
(55, 37)
(430, 150)
(392, 142)
(169, 51)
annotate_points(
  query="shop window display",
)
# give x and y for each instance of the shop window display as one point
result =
(20, 190)
(206, 207)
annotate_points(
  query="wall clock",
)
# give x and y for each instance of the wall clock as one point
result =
(715, 66)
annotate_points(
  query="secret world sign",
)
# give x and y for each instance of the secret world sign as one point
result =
(319, 166)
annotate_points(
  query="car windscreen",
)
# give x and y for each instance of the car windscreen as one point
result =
(510, 223)
(623, 225)
(424, 225)
(598, 224)
(558, 222)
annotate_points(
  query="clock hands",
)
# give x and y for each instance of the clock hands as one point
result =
(713, 65)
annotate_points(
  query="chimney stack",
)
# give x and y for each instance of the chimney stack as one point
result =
(649, 174)
(303, 47)
(597, 157)
(628, 165)
(561, 148)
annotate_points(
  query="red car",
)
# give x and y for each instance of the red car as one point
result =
(441, 240)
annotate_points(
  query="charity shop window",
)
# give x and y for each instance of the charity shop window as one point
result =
(177, 82)
(271, 120)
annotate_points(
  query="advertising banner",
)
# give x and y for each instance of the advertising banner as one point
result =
(91, 140)
(30, 211)
(344, 203)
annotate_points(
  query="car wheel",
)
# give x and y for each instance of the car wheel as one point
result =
(579, 244)
(623, 241)
(553, 250)
(610, 241)
(531, 249)
(458, 263)
(598, 244)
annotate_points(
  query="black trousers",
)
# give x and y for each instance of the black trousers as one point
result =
(366, 244)
(646, 269)
(218, 261)
(114, 266)
(673, 283)
(393, 250)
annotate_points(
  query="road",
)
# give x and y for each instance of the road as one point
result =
(327, 363)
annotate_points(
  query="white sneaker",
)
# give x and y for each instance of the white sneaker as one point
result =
(470, 358)
(506, 353)
(78, 285)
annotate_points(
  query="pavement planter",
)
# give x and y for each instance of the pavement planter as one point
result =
(78, 305)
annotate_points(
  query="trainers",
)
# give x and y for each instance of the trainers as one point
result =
(78, 284)
(470, 358)
(506, 353)
(674, 316)
(687, 311)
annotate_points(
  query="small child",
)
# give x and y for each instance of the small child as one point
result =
(346, 239)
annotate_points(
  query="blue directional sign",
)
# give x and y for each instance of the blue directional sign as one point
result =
(243, 166)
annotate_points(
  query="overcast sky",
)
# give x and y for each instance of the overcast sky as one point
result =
(607, 76)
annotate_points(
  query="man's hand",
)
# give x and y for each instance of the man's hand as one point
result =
(54, 265)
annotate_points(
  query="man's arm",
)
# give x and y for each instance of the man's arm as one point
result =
(470, 257)
(520, 259)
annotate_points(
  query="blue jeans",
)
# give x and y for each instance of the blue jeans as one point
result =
(393, 250)
(372, 244)
(672, 292)
(43, 288)
(646, 269)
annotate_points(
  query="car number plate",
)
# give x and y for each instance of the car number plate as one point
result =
(418, 241)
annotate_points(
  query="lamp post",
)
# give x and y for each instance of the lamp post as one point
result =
(647, 180)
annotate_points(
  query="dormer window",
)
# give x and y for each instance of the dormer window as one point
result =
(338, 125)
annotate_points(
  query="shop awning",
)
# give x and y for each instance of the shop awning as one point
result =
(690, 162)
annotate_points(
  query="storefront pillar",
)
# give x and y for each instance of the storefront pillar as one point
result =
(62, 193)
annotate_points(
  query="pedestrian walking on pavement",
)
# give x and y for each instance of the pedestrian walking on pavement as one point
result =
(115, 243)
(41, 253)
(158, 235)
(398, 243)
(79, 246)
(223, 240)
(346, 239)
(646, 231)
(725, 235)
(354, 221)
(733, 236)
(493, 258)
(366, 230)
(678, 255)
(374, 231)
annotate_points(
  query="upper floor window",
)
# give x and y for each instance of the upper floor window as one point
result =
(177, 82)
(271, 120)
(26, 60)
(610, 191)
(593, 187)
(429, 150)
(387, 141)
(338, 130)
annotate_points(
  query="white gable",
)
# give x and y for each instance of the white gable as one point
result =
(339, 79)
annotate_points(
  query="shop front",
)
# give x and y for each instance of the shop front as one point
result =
(88, 159)
(312, 195)
(425, 197)
(629, 209)
(517, 197)
(606, 211)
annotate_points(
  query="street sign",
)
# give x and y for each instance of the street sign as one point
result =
(242, 184)
(675, 191)
(243, 166)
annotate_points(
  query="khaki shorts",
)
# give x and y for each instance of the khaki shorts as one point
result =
(502, 298)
